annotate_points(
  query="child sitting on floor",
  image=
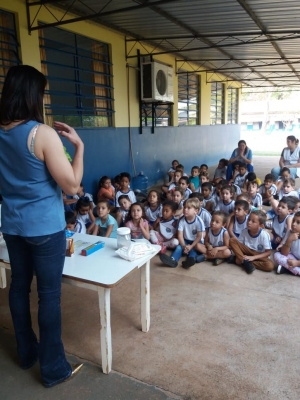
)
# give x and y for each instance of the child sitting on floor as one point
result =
(184, 185)
(282, 221)
(137, 222)
(106, 190)
(267, 189)
(217, 239)
(124, 189)
(238, 221)
(105, 224)
(203, 213)
(220, 172)
(252, 189)
(171, 171)
(285, 173)
(242, 175)
(191, 231)
(124, 203)
(289, 255)
(84, 214)
(194, 180)
(153, 207)
(208, 197)
(252, 248)
(165, 231)
(177, 197)
(226, 203)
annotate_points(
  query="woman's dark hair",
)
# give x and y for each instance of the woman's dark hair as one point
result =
(292, 138)
(246, 148)
(22, 95)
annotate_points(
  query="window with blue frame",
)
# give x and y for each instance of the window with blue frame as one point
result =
(78, 70)
(188, 98)
(232, 115)
(9, 46)
(217, 103)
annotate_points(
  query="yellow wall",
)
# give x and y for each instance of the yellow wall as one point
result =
(30, 55)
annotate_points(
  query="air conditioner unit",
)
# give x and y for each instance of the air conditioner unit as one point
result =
(157, 82)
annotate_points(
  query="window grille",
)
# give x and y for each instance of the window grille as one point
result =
(78, 70)
(188, 99)
(217, 103)
(160, 112)
(232, 116)
(9, 46)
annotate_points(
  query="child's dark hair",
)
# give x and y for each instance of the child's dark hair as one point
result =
(251, 176)
(290, 181)
(198, 195)
(178, 189)
(207, 185)
(230, 189)
(175, 161)
(270, 177)
(106, 202)
(195, 167)
(297, 214)
(102, 180)
(116, 179)
(125, 175)
(129, 217)
(222, 215)
(262, 217)
(171, 204)
(243, 165)
(70, 217)
(157, 194)
(246, 196)
(184, 178)
(204, 173)
(180, 166)
(204, 165)
(123, 197)
(252, 183)
(242, 203)
(235, 164)
(290, 201)
(82, 202)
(284, 169)
(222, 182)
(224, 162)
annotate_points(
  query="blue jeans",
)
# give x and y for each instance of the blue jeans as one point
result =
(229, 170)
(178, 251)
(276, 172)
(44, 256)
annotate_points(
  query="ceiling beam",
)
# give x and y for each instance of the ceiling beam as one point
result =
(96, 15)
(261, 26)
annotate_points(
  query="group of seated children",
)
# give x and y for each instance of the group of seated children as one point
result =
(203, 220)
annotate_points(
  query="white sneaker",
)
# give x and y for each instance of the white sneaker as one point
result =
(279, 269)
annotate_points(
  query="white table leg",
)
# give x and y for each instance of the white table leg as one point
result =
(145, 296)
(105, 328)
(2, 278)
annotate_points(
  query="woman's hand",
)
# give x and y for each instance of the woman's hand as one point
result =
(68, 132)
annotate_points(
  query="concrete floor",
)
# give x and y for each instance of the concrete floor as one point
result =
(216, 333)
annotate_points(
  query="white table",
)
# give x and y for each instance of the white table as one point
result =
(101, 271)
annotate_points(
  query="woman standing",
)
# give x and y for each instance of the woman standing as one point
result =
(290, 158)
(241, 154)
(33, 172)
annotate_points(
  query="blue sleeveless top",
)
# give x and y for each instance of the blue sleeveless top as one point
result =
(32, 200)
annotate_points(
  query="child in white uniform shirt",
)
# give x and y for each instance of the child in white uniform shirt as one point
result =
(238, 221)
(125, 189)
(184, 185)
(240, 178)
(191, 231)
(253, 247)
(288, 259)
(226, 203)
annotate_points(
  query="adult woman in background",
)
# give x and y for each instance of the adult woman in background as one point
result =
(241, 154)
(33, 172)
(290, 158)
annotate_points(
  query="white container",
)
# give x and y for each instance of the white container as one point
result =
(123, 237)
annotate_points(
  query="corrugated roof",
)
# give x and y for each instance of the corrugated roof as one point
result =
(252, 41)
